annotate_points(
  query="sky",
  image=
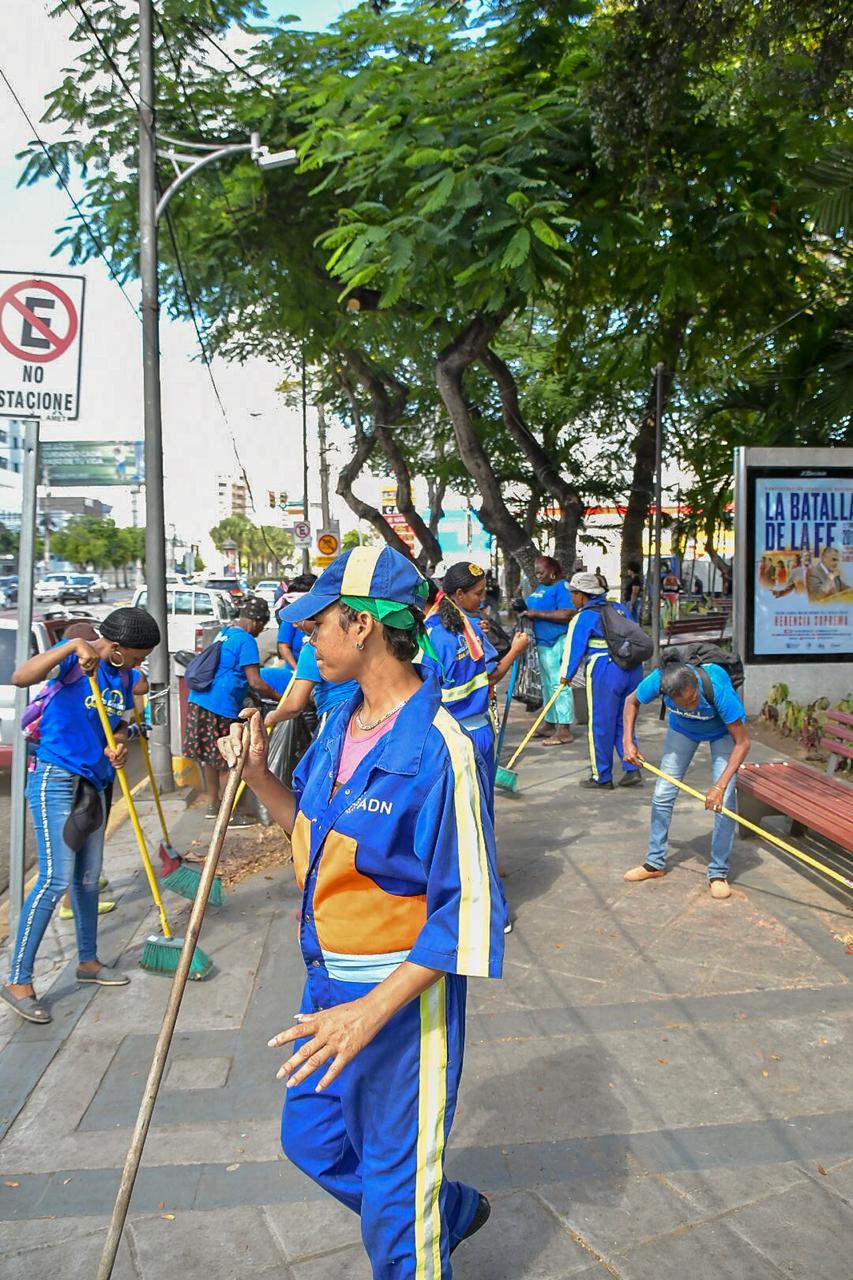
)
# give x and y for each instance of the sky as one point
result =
(197, 442)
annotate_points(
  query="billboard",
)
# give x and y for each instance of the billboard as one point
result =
(93, 462)
(799, 584)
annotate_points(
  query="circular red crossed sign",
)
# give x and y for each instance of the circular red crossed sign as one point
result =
(60, 344)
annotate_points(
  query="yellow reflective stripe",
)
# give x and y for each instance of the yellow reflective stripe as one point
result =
(597, 644)
(432, 1105)
(567, 646)
(590, 736)
(358, 574)
(475, 901)
(462, 690)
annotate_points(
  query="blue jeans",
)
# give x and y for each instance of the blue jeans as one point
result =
(678, 753)
(50, 793)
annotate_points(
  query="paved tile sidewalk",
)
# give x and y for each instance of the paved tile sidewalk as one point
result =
(660, 1086)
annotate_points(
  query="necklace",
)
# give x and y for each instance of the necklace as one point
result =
(365, 728)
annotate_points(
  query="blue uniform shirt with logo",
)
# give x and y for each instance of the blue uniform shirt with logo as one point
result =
(549, 598)
(398, 863)
(229, 688)
(70, 733)
(464, 680)
(708, 722)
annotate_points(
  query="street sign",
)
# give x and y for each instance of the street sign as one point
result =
(301, 533)
(323, 562)
(93, 462)
(41, 332)
(328, 543)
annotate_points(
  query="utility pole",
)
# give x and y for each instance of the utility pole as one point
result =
(306, 554)
(155, 529)
(655, 591)
(45, 479)
(324, 467)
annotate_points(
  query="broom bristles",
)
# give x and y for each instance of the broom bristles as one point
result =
(506, 780)
(161, 955)
(185, 882)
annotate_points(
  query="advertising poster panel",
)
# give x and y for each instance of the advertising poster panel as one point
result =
(800, 571)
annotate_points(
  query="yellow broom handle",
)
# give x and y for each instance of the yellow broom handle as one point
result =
(759, 831)
(536, 723)
(146, 755)
(279, 705)
(131, 808)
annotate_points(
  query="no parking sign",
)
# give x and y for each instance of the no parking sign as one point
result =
(41, 330)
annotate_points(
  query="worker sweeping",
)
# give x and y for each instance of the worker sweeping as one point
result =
(464, 660)
(608, 683)
(703, 706)
(394, 852)
(70, 777)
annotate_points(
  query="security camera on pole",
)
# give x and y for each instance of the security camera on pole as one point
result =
(194, 156)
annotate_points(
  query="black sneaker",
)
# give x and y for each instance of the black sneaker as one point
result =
(242, 820)
(590, 784)
(480, 1218)
(631, 778)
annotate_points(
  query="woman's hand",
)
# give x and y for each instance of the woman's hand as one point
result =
(714, 799)
(335, 1035)
(520, 642)
(231, 748)
(117, 758)
(86, 655)
(631, 753)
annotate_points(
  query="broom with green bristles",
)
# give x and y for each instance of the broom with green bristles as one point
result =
(505, 779)
(160, 953)
(179, 876)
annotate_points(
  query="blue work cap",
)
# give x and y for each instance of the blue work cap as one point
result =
(377, 573)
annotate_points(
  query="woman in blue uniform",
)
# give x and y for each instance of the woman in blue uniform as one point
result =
(465, 661)
(394, 851)
(550, 609)
(69, 781)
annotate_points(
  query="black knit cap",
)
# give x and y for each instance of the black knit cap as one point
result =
(134, 628)
(256, 608)
(462, 576)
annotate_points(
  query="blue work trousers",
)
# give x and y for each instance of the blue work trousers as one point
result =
(607, 687)
(375, 1138)
(678, 753)
(50, 793)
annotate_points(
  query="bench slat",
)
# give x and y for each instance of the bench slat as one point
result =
(811, 798)
(837, 748)
(839, 731)
(843, 717)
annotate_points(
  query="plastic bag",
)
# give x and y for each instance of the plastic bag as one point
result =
(289, 741)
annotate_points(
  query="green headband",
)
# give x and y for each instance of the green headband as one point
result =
(391, 614)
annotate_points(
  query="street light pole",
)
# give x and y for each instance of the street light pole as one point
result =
(150, 211)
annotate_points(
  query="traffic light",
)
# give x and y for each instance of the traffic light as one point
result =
(271, 498)
(282, 500)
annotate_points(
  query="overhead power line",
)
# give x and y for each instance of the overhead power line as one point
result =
(63, 183)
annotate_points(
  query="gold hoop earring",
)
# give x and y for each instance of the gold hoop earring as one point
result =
(112, 662)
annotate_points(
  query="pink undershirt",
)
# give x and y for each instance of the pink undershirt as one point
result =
(355, 749)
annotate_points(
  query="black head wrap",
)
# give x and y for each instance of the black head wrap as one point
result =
(133, 628)
(462, 577)
(256, 609)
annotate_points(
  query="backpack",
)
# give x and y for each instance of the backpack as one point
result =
(627, 643)
(201, 669)
(33, 712)
(696, 655)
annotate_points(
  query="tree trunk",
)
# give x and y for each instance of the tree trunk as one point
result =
(642, 489)
(435, 497)
(388, 400)
(450, 366)
(364, 446)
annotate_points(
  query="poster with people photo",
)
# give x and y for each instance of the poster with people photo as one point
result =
(803, 566)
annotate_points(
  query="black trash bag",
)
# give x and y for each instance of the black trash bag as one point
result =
(528, 685)
(289, 741)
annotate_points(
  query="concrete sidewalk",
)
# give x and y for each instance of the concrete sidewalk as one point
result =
(659, 1088)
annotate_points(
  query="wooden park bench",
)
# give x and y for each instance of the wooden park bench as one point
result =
(814, 801)
(837, 738)
(700, 626)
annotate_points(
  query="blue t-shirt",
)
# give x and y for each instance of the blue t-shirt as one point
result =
(227, 693)
(551, 597)
(289, 634)
(327, 693)
(707, 722)
(70, 731)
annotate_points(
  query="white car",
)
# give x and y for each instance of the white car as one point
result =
(268, 590)
(50, 586)
(194, 613)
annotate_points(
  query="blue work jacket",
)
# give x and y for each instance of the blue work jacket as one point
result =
(586, 635)
(398, 863)
(464, 680)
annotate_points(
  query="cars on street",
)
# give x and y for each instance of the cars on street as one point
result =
(48, 587)
(268, 590)
(8, 591)
(81, 588)
(233, 587)
(46, 632)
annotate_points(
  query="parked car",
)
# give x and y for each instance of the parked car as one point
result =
(8, 591)
(81, 588)
(48, 587)
(193, 611)
(231, 586)
(46, 632)
(268, 590)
